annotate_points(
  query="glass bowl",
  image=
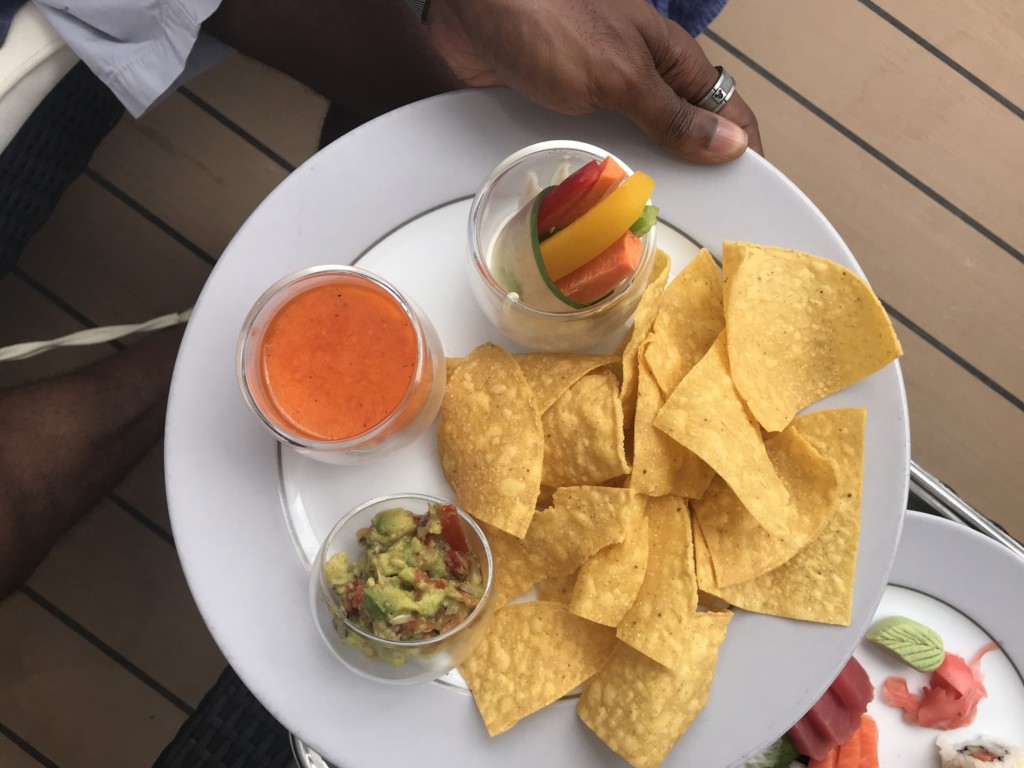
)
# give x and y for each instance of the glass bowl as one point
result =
(503, 199)
(396, 661)
(340, 388)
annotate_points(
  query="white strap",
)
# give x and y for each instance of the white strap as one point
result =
(89, 336)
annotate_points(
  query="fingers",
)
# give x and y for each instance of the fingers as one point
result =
(736, 109)
(583, 55)
(692, 133)
(663, 105)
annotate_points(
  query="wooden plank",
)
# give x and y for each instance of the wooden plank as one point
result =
(964, 434)
(189, 170)
(109, 262)
(13, 756)
(256, 97)
(926, 263)
(26, 315)
(985, 38)
(75, 703)
(124, 584)
(144, 489)
(895, 95)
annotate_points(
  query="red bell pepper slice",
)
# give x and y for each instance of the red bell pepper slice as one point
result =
(563, 198)
(578, 194)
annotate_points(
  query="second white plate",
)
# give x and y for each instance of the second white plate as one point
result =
(965, 586)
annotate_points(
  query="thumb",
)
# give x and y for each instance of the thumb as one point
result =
(693, 133)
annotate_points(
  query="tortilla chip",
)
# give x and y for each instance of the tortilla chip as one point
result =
(515, 571)
(668, 596)
(800, 327)
(689, 320)
(703, 565)
(490, 440)
(450, 364)
(596, 516)
(661, 466)
(733, 255)
(533, 654)
(740, 548)
(582, 521)
(643, 319)
(550, 375)
(640, 708)
(706, 415)
(817, 583)
(609, 581)
(584, 438)
(558, 589)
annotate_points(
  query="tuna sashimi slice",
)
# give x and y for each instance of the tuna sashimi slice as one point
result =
(854, 687)
(836, 715)
(831, 718)
(808, 741)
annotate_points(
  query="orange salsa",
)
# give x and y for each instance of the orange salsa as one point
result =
(337, 359)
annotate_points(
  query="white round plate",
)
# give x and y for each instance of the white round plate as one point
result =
(224, 485)
(965, 586)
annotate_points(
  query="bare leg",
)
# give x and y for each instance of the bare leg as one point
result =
(65, 442)
(366, 56)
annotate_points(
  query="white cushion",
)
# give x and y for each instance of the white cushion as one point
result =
(33, 60)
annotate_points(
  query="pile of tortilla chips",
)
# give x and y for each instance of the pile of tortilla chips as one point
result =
(644, 494)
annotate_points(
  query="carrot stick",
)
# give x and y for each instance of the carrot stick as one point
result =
(611, 174)
(868, 742)
(602, 273)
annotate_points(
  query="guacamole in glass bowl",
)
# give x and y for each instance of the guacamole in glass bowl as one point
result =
(401, 588)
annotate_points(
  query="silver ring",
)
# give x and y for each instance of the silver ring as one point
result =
(720, 92)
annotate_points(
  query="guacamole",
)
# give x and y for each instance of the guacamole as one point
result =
(416, 578)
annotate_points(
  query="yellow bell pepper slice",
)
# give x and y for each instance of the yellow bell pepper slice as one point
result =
(598, 228)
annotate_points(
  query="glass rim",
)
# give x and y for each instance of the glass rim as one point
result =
(480, 264)
(306, 273)
(326, 592)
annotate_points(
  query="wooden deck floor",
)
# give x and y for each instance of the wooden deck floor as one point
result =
(903, 121)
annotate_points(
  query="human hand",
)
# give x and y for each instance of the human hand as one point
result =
(578, 56)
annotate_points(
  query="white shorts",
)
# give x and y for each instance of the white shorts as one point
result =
(142, 49)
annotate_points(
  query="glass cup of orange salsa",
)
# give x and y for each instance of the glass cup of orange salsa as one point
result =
(339, 365)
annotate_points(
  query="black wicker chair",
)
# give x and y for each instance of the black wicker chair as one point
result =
(229, 729)
(48, 153)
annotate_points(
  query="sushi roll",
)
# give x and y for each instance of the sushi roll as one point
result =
(980, 751)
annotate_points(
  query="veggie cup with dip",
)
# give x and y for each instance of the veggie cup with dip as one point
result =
(338, 365)
(401, 588)
(561, 244)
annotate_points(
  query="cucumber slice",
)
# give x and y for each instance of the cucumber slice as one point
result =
(535, 243)
(646, 221)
